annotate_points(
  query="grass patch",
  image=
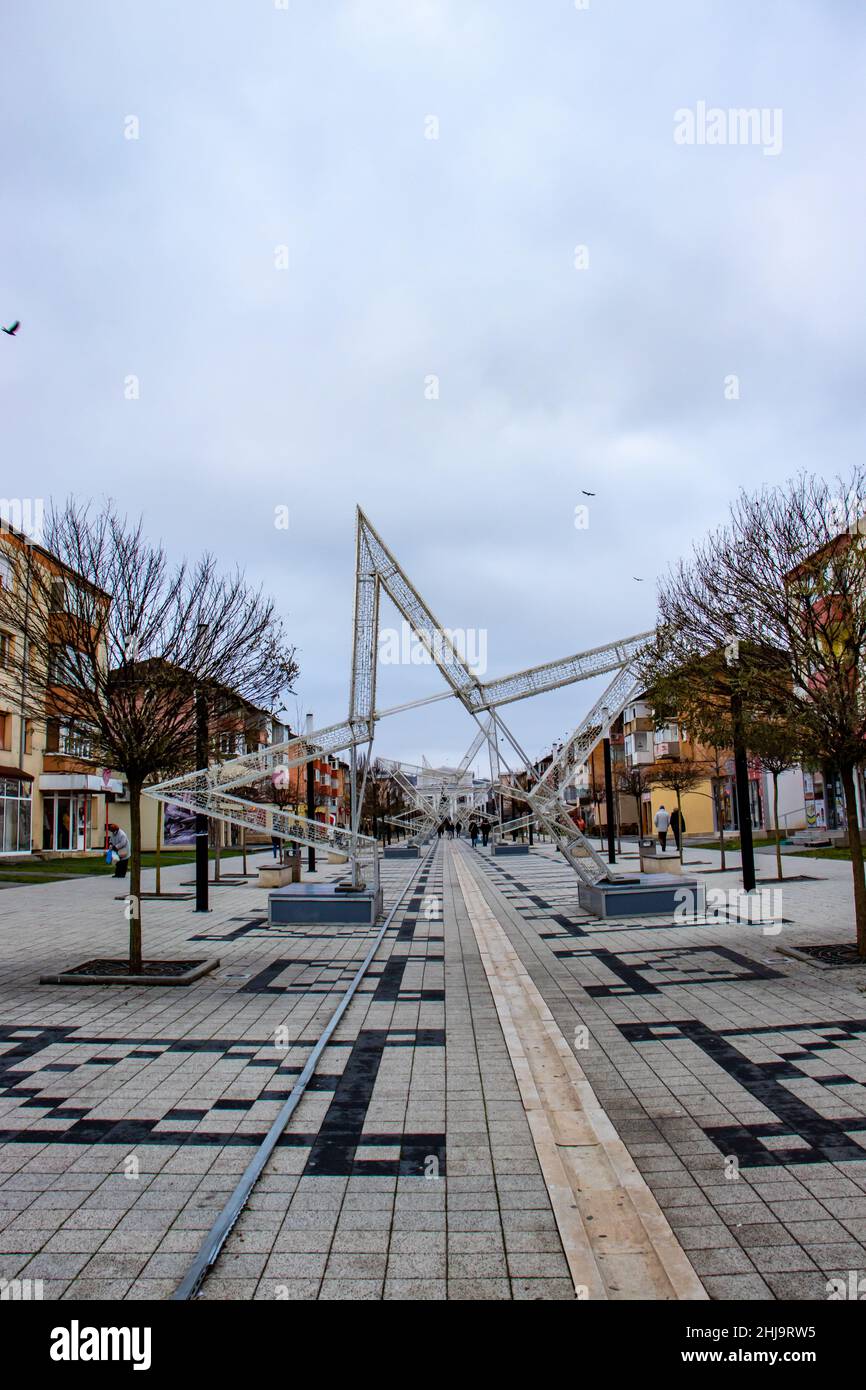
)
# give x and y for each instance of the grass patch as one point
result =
(731, 842)
(829, 852)
(58, 870)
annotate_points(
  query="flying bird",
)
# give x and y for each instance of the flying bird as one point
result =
(587, 494)
(13, 328)
(637, 579)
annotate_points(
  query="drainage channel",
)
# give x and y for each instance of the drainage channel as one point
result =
(219, 1232)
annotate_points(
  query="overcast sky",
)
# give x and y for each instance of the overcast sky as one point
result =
(300, 377)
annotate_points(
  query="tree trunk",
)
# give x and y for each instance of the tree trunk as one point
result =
(680, 826)
(721, 820)
(244, 848)
(158, 846)
(776, 824)
(134, 900)
(218, 844)
(856, 845)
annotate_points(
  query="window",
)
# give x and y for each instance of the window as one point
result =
(7, 573)
(15, 808)
(5, 731)
(7, 648)
(70, 667)
(59, 596)
(28, 736)
(231, 743)
(668, 733)
(76, 741)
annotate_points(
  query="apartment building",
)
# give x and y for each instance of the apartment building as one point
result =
(712, 799)
(53, 793)
(330, 789)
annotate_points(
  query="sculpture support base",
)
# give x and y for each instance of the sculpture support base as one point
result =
(302, 904)
(645, 895)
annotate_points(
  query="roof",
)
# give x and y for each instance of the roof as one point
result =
(37, 549)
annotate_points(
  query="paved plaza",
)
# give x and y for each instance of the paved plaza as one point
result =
(520, 1102)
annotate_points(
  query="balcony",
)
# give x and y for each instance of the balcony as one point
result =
(667, 749)
(637, 714)
(640, 757)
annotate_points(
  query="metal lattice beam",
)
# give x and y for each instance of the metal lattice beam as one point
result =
(212, 790)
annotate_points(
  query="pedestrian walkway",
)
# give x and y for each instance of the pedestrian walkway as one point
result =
(520, 1102)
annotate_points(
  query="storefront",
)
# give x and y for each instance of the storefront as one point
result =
(67, 821)
(72, 819)
(725, 799)
(16, 813)
(824, 800)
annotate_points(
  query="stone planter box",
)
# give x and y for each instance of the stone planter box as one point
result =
(652, 863)
(278, 875)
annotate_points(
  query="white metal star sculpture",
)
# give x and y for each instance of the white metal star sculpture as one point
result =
(216, 791)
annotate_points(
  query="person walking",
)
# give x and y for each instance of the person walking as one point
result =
(678, 826)
(485, 833)
(440, 827)
(662, 821)
(276, 845)
(473, 834)
(118, 840)
(458, 827)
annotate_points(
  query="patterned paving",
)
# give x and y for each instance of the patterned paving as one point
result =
(120, 1137)
(736, 1077)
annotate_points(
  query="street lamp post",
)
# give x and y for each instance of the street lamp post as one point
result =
(311, 800)
(741, 781)
(741, 767)
(608, 796)
(201, 821)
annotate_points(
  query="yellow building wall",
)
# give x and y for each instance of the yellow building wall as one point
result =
(697, 807)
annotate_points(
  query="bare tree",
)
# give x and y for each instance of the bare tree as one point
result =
(780, 590)
(776, 747)
(383, 798)
(632, 782)
(123, 643)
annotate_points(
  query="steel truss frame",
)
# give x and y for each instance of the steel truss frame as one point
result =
(207, 790)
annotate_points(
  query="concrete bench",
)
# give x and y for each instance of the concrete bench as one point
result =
(278, 875)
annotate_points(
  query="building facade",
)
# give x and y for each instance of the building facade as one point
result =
(53, 793)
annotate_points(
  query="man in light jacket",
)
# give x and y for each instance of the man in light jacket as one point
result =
(662, 821)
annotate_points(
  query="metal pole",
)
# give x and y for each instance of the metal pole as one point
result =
(354, 813)
(311, 800)
(608, 796)
(201, 822)
(741, 780)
